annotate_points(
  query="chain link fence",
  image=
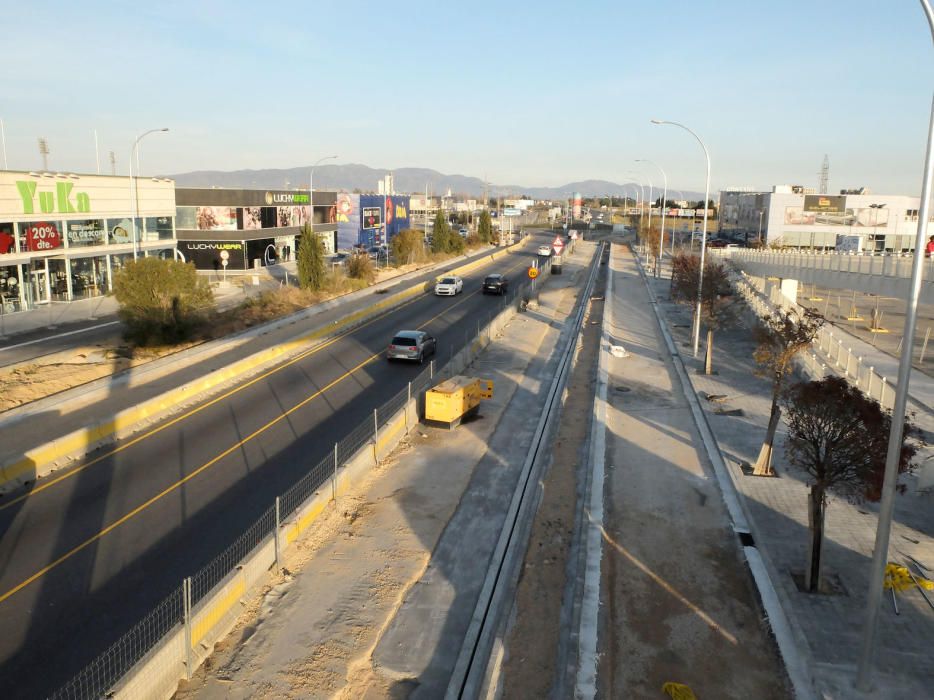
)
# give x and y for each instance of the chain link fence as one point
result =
(171, 621)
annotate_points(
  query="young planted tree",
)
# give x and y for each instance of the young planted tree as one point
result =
(839, 436)
(780, 339)
(312, 271)
(161, 301)
(716, 302)
(485, 227)
(441, 236)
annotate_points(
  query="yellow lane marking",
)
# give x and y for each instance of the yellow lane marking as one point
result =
(117, 523)
(201, 407)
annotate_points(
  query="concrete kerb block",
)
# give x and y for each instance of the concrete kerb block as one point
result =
(157, 674)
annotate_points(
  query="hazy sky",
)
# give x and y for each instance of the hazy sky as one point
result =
(536, 94)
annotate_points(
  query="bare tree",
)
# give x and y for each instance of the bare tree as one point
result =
(781, 337)
(839, 436)
(716, 294)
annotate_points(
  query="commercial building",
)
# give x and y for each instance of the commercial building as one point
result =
(63, 235)
(797, 217)
(253, 227)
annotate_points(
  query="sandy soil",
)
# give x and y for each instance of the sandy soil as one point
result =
(532, 643)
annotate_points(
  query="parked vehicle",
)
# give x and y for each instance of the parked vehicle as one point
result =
(449, 286)
(463, 231)
(411, 345)
(495, 284)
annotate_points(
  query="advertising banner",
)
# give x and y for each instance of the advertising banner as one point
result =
(371, 217)
(347, 211)
(43, 235)
(85, 233)
(216, 218)
(825, 204)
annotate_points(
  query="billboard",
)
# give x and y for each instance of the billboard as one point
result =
(206, 255)
(371, 217)
(825, 204)
(347, 213)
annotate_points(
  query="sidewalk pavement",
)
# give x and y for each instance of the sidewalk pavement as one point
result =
(827, 627)
(61, 314)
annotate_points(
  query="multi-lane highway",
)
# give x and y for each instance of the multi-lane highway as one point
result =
(91, 550)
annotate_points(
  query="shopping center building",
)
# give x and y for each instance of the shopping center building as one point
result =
(797, 217)
(63, 236)
(254, 227)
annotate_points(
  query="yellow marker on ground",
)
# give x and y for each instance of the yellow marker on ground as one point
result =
(678, 691)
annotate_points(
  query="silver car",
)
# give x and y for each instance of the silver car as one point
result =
(411, 345)
(449, 286)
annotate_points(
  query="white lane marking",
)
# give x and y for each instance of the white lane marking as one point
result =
(59, 335)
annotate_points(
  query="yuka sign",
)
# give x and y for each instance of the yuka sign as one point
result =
(61, 201)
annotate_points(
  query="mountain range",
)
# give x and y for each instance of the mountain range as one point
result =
(355, 177)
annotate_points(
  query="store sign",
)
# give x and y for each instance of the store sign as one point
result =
(372, 217)
(43, 236)
(824, 203)
(62, 200)
(286, 198)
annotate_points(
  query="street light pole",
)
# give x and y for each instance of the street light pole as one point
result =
(661, 239)
(311, 193)
(892, 456)
(134, 186)
(703, 244)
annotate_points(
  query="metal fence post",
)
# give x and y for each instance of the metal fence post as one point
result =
(334, 476)
(375, 435)
(186, 608)
(431, 370)
(278, 544)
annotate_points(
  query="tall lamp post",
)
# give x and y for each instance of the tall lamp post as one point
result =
(311, 192)
(134, 185)
(703, 244)
(661, 239)
(887, 504)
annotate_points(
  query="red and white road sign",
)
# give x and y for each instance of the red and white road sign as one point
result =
(557, 245)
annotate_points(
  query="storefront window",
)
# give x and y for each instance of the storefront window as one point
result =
(86, 232)
(159, 228)
(120, 231)
(7, 238)
(10, 288)
(118, 262)
(39, 236)
(89, 277)
(186, 218)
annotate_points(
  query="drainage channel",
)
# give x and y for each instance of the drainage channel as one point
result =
(470, 670)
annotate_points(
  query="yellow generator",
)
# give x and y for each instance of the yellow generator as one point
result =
(455, 398)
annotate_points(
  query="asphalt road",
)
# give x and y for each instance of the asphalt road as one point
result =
(86, 555)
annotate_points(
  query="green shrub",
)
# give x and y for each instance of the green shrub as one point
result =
(408, 246)
(360, 267)
(310, 260)
(161, 301)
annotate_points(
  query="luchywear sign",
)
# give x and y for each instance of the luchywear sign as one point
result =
(61, 201)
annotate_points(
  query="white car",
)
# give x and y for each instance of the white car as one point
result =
(544, 250)
(449, 286)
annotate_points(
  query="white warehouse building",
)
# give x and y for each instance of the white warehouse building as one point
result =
(796, 217)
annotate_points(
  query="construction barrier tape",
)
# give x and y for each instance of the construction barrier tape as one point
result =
(678, 691)
(899, 578)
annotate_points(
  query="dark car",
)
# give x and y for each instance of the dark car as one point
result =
(411, 345)
(495, 284)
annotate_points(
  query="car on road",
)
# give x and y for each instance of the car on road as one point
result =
(411, 345)
(449, 286)
(495, 284)
(544, 250)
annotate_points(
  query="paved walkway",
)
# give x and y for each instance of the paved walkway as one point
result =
(677, 602)
(827, 628)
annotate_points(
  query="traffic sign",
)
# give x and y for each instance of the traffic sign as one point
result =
(224, 255)
(533, 273)
(509, 211)
(558, 245)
